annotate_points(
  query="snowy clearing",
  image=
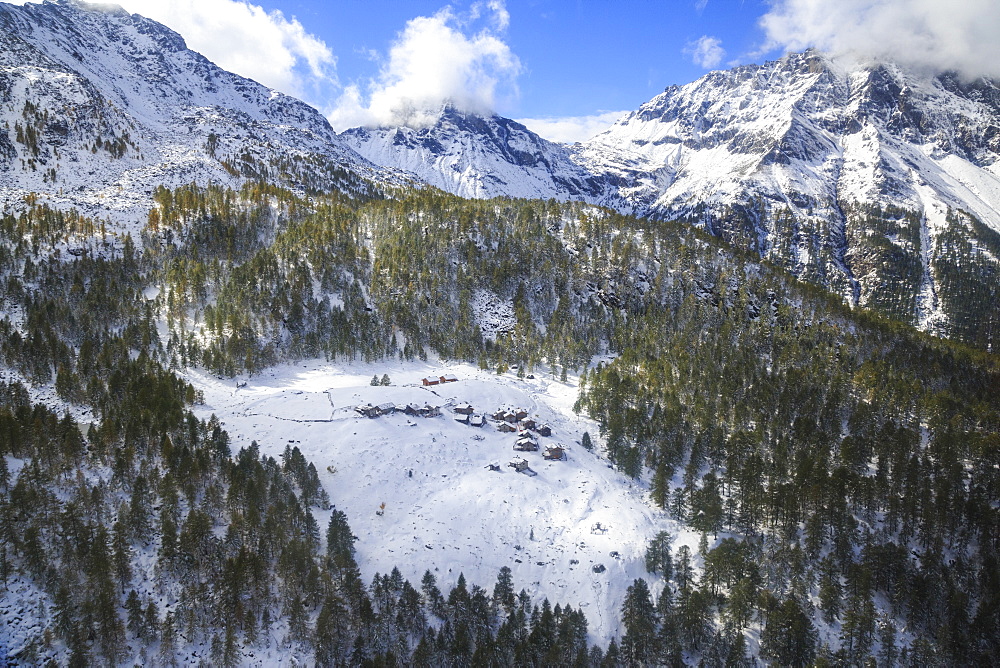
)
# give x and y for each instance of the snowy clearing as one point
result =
(445, 510)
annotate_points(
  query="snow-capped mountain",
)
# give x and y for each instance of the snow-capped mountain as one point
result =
(99, 106)
(873, 180)
(880, 183)
(478, 156)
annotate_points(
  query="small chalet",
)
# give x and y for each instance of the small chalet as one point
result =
(500, 415)
(386, 409)
(368, 411)
(431, 380)
(464, 409)
(519, 465)
(449, 378)
(506, 428)
(526, 423)
(526, 444)
(554, 453)
(477, 421)
(520, 414)
(544, 430)
(461, 417)
(429, 411)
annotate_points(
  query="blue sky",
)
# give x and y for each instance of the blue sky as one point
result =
(569, 66)
(577, 58)
(566, 68)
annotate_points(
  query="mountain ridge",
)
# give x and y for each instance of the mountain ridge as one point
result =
(77, 78)
(471, 155)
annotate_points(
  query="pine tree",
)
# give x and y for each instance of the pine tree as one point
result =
(503, 591)
(639, 619)
(658, 557)
(789, 637)
(340, 542)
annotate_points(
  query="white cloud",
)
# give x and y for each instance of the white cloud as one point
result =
(963, 35)
(244, 38)
(706, 51)
(434, 60)
(571, 129)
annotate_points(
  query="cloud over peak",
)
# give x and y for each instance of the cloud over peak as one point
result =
(706, 51)
(436, 60)
(963, 35)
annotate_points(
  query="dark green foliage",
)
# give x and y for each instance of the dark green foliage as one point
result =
(789, 637)
(823, 454)
(639, 620)
(658, 557)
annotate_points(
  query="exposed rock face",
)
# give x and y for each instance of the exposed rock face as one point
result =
(476, 156)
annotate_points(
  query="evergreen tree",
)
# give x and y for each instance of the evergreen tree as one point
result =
(789, 637)
(639, 619)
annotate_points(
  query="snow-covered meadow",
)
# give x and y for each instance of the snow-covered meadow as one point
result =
(445, 510)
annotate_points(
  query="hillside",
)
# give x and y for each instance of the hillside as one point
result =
(871, 180)
(877, 182)
(475, 156)
(757, 469)
(836, 471)
(98, 107)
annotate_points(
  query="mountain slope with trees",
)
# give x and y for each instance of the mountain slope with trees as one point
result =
(841, 467)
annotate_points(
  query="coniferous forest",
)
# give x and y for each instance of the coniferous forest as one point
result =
(842, 468)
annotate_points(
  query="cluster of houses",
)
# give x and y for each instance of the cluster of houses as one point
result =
(417, 410)
(465, 414)
(516, 421)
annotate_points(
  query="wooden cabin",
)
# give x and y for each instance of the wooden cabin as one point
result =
(449, 378)
(464, 409)
(431, 380)
(386, 409)
(526, 423)
(506, 428)
(368, 410)
(526, 444)
(544, 430)
(520, 414)
(477, 420)
(554, 453)
(519, 465)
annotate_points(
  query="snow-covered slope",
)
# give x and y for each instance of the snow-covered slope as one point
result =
(444, 509)
(97, 107)
(817, 166)
(871, 180)
(477, 156)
